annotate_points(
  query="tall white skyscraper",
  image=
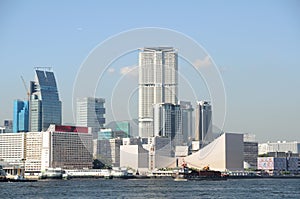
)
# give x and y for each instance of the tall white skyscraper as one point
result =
(158, 83)
(90, 113)
(203, 122)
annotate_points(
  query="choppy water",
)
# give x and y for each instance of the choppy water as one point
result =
(152, 188)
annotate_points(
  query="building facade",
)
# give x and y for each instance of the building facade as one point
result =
(167, 122)
(90, 113)
(12, 147)
(108, 151)
(187, 120)
(203, 122)
(161, 153)
(280, 146)
(21, 116)
(8, 126)
(45, 107)
(278, 165)
(225, 153)
(158, 83)
(123, 126)
(134, 155)
(67, 147)
(33, 152)
(251, 153)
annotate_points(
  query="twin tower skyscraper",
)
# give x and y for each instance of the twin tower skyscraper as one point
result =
(159, 108)
(158, 83)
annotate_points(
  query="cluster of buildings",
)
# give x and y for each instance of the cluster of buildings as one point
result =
(170, 131)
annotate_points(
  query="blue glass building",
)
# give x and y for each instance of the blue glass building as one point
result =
(45, 106)
(20, 116)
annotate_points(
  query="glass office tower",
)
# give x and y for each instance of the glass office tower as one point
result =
(45, 106)
(21, 116)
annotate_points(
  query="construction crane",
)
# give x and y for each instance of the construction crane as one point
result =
(26, 88)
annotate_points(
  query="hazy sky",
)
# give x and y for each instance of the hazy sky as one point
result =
(255, 44)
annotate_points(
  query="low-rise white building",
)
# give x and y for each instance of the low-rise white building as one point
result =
(12, 147)
(223, 154)
(33, 152)
(280, 146)
(134, 156)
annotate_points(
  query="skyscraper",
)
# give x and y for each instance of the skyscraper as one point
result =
(21, 116)
(187, 120)
(90, 113)
(45, 106)
(167, 122)
(158, 83)
(203, 122)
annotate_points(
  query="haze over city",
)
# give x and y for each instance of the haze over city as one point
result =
(255, 45)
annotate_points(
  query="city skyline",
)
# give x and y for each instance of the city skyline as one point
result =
(256, 54)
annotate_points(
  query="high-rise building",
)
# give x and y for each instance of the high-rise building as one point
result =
(187, 120)
(203, 122)
(45, 106)
(167, 122)
(21, 116)
(158, 83)
(90, 113)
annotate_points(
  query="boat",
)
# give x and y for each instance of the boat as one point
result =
(19, 178)
(52, 173)
(186, 173)
(2, 175)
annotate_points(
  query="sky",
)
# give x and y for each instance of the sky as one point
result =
(254, 44)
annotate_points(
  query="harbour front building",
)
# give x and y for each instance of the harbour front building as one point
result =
(67, 147)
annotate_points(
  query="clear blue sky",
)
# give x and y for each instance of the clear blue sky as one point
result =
(256, 44)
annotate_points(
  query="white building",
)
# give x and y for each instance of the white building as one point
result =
(280, 146)
(90, 113)
(224, 153)
(12, 147)
(133, 155)
(158, 83)
(203, 122)
(161, 153)
(33, 161)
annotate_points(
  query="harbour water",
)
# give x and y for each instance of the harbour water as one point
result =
(152, 188)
